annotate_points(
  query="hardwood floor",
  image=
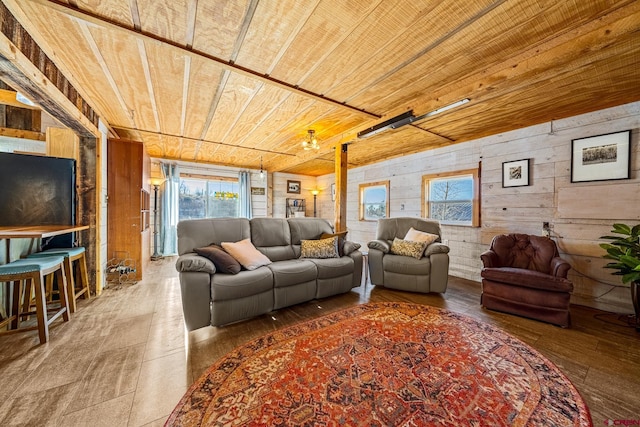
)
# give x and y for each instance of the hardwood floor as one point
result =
(123, 359)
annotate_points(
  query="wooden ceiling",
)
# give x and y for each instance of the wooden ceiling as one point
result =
(231, 82)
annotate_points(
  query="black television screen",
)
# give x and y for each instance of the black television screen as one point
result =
(38, 190)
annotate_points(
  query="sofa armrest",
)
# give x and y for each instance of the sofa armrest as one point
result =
(349, 247)
(560, 267)
(436, 248)
(192, 262)
(489, 259)
(381, 245)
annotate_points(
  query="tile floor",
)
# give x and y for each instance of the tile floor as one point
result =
(123, 359)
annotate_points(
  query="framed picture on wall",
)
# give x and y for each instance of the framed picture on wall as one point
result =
(601, 157)
(515, 173)
(293, 187)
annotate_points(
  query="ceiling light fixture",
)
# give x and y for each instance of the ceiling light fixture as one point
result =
(311, 143)
(443, 109)
(393, 123)
(261, 170)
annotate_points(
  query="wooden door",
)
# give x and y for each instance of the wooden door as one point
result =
(127, 181)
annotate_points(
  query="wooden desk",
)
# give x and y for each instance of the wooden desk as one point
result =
(35, 232)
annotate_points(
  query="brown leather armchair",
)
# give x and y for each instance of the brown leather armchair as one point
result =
(524, 275)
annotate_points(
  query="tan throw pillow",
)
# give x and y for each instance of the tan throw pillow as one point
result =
(407, 248)
(341, 236)
(420, 236)
(323, 248)
(246, 254)
(224, 262)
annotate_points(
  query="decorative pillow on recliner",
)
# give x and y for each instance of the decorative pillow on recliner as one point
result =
(407, 248)
(323, 248)
(246, 254)
(420, 236)
(224, 262)
(341, 236)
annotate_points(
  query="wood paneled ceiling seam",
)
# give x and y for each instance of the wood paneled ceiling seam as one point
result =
(144, 59)
(192, 11)
(248, 17)
(231, 66)
(212, 109)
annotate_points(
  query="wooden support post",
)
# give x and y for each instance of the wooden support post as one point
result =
(341, 188)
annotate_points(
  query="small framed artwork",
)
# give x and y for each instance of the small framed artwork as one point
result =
(333, 192)
(601, 157)
(515, 173)
(293, 187)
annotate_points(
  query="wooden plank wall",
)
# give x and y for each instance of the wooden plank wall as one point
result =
(579, 213)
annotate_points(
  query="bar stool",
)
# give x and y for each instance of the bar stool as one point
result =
(80, 277)
(33, 272)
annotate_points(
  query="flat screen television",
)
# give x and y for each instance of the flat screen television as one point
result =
(38, 190)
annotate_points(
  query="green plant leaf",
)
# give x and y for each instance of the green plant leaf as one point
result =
(631, 277)
(621, 229)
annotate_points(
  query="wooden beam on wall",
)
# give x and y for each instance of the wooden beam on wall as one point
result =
(341, 187)
(23, 63)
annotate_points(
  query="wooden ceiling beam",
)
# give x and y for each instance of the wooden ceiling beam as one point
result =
(101, 21)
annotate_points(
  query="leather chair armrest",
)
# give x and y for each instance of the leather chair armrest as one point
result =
(349, 247)
(560, 267)
(192, 262)
(381, 245)
(436, 248)
(489, 259)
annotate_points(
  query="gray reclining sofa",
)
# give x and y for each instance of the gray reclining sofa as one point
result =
(213, 298)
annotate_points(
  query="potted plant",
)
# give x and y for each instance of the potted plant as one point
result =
(625, 251)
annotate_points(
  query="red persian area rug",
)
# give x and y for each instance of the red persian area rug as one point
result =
(384, 364)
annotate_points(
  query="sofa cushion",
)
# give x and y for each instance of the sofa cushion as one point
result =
(407, 248)
(272, 237)
(197, 233)
(245, 284)
(323, 248)
(420, 236)
(390, 228)
(292, 272)
(524, 251)
(401, 264)
(308, 229)
(246, 254)
(224, 262)
(329, 268)
(527, 278)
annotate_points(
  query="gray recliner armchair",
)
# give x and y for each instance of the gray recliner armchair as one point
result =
(427, 274)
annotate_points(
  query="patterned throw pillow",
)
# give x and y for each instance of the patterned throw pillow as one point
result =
(341, 236)
(420, 236)
(323, 248)
(407, 248)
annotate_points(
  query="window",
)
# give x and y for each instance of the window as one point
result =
(452, 198)
(208, 197)
(374, 201)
